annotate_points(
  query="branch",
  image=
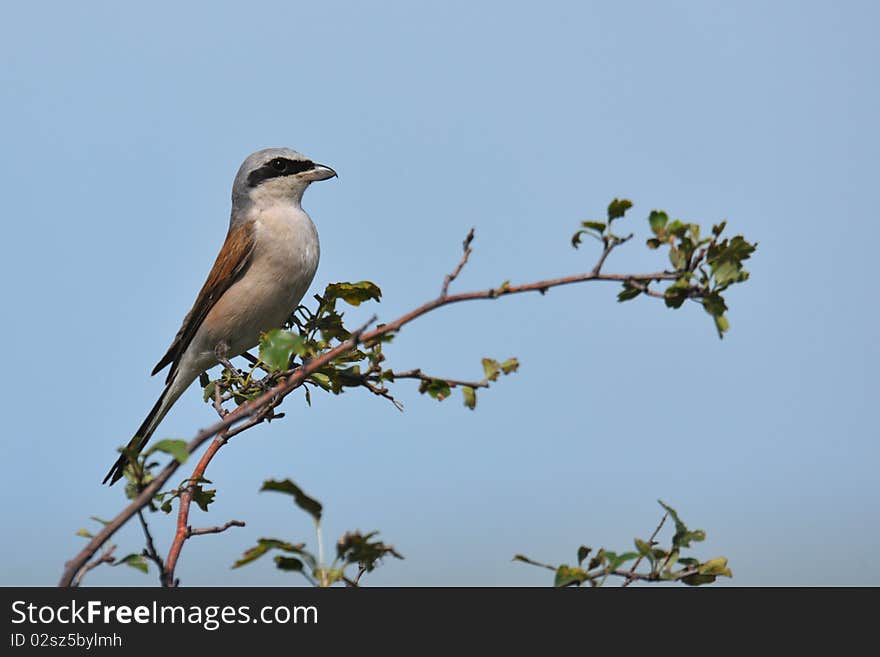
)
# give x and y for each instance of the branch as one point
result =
(183, 512)
(214, 530)
(650, 577)
(249, 410)
(643, 287)
(184, 531)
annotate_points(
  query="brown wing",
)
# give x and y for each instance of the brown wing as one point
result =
(231, 262)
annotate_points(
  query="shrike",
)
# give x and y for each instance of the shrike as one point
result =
(263, 270)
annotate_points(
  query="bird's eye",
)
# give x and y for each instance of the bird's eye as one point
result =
(278, 164)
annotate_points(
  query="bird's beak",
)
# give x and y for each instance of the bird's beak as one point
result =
(319, 172)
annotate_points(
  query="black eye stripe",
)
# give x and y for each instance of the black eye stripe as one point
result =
(272, 170)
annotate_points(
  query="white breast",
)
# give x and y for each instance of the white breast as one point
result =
(286, 249)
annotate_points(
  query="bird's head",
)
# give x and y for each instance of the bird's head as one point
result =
(276, 175)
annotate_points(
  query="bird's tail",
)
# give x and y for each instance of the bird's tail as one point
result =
(136, 445)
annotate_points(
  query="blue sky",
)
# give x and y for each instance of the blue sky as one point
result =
(123, 126)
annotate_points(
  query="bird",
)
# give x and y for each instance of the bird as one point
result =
(264, 268)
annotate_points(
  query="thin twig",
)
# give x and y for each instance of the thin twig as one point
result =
(382, 392)
(611, 242)
(466, 245)
(106, 557)
(687, 572)
(632, 571)
(643, 287)
(150, 551)
(453, 383)
(214, 530)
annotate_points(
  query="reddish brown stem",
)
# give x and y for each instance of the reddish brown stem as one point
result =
(183, 529)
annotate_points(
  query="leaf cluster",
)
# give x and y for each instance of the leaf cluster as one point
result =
(309, 333)
(702, 267)
(354, 549)
(662, 564)
(707, 266)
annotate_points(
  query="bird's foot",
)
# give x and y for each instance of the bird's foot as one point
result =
(220, 351)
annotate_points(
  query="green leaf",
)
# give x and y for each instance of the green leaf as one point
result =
(598, 559)
(677, 228)
(628, 292)
(510, 365)
(309, 505)
(355, 547)
(617, 208)
(470, 397)
(203, 497)
(678, 258)
(620, 559)
(717, 566)
(208, 391)
(353, 294)
(683, 536)
(593, 225)
(436, 388)
(583, 552)
(726, 272)
(679, 525)
(565, 575)
(277, 346)
(674, 298)
(658, 554)
(85, 533)
(721, 325)
(176, 448)
(739, 249)
(331, 327)
(288, 563)
(136, 561)
(653, 243)
(697, 580)
(714, 304)
(321, 379)
(525, 559)
(264, 545)
(643, 547)
(491, 369)
(717, 229)
(658, 220)
(726, 259)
